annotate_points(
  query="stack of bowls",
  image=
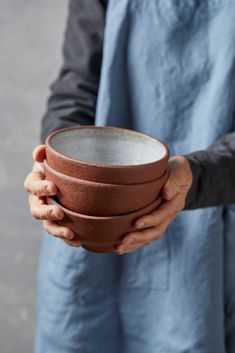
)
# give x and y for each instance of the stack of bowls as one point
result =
(106, 178)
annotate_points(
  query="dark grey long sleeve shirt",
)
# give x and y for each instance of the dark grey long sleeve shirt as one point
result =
(74, 95)
(213, 174)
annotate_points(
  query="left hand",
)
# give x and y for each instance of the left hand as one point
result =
(151, 227)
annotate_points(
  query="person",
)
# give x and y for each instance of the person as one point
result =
(167, 69)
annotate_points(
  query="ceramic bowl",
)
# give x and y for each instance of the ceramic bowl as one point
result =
(106, 154)
(99, 199)
(100, 234)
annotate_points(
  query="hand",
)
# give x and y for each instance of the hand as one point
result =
(38, 189)
(151, 227)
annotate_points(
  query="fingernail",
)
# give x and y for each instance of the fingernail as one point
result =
(128, 241)
(70, 236)
(49, 190)
(120, 252)
(55, 214)
(59, 215)
(67, 235)
(140, 225)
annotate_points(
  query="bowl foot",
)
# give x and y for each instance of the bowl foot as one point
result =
(98, 249)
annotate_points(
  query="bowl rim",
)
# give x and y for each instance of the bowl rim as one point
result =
(158, 201)
(97, 183)
(103, 165)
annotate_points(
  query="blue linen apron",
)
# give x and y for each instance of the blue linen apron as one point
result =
(169, 71)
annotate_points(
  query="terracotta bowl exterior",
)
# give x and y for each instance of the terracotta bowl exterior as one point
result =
(106, 154)
(98, 199)
(100, 234)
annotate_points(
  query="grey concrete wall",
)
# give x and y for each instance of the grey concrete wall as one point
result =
(31, 35)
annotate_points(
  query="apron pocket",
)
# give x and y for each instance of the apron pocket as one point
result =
(147, 268)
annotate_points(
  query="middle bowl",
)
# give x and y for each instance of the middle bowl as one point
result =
(99, 199)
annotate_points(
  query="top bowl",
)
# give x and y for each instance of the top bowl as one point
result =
(106, 154)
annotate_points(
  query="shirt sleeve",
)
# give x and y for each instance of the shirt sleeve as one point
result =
(213, 174)
(74, 93)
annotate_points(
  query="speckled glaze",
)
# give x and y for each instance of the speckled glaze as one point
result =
(106, 154)
(100, 234)
(98, 199)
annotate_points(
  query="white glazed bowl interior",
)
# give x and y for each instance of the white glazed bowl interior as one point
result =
(108, 146)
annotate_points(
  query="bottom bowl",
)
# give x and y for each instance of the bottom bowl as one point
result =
(101, 234)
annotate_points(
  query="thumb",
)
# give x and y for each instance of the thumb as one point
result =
(175, 180)
(39, 153)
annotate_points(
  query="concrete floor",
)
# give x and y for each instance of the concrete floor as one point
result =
(30, 45)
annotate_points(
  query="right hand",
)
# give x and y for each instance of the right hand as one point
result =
(38, 188)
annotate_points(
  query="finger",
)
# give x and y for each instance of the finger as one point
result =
(39, 153)
(35, 184)
(58, 231)
(165, 211)
(149, 234)
(39, 169)
(40, 210)
(131, 248)
(135, 240)
(74, 243)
